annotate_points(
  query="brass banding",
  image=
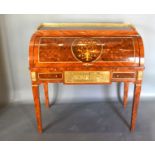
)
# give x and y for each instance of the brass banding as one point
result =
(33, 76)
(63, 25)
(140, 75)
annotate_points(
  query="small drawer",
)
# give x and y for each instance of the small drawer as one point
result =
(123, 75)
(50, 76)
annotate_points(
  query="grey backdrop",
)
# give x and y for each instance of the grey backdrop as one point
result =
(15, 84)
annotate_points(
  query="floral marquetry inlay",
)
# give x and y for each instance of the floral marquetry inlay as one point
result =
(86, 49)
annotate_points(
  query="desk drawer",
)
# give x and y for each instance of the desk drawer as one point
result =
(119, 75)
(50, 76)
(86, 77)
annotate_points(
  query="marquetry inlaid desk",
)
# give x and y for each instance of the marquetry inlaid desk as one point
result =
(86, 53)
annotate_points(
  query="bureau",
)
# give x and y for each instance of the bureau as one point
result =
(86, 53)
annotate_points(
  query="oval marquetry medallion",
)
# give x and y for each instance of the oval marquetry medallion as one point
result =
(86, 49)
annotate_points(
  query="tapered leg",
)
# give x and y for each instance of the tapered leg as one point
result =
(136, 99)
(35, 90)
(46, 94)
(126, 88)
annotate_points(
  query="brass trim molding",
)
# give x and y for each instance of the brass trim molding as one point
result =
(33, 76)
(35, 85)
(84, 25)
(140, 75)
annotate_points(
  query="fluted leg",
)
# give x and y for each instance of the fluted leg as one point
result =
(136, 100)
(35, 90)
(46, 94)
(126, 88)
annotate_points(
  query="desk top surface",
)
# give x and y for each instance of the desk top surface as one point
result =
(85, 26)
(86, 29)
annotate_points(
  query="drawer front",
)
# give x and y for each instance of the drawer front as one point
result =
(123, 75)
(84, 77)
(50, 76)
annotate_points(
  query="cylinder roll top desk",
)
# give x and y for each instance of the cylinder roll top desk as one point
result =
(86, 53)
